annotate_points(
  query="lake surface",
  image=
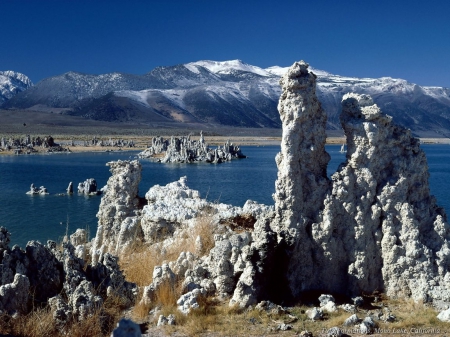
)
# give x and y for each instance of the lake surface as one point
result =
(46, 217)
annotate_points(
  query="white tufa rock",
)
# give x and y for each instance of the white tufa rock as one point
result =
(352, 320)
(444, 316)
(314, 314)
(380, 224)
(329, 307)
(163, 320)
(88, 187)
(14, 296)
(324, 299)
(302, 164)
(188, 301)
(367, 325)
(118, 203)
(348, 307)
(170, 206)
(375, 225)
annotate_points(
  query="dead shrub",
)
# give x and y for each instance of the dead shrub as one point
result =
(37, 323)
(140, 310)
(240, 223)
(167, 294)
(138, 264)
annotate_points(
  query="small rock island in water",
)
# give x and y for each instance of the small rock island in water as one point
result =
(186, 150)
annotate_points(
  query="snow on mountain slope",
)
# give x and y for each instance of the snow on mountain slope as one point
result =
(226, 67)
(11, 83)
(239, 89)
(144, 96)
(230, 93)
(280, 71)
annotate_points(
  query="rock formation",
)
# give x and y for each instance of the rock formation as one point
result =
(58, 277)
(302, 164)
(119, 203)
(88, 187)
(70, 188)
(29, 145)
(110, 142)
(185, 150)
(34, 190)
(125, 219)
(380, 219)
(375, 226)
(14, 296)
(170, 206)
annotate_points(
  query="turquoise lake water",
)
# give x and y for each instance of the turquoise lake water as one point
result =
(45, 217)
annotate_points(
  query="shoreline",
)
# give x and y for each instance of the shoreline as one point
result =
(141, 143)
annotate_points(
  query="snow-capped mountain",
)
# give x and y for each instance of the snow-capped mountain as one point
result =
(229, 93)
(11, 83)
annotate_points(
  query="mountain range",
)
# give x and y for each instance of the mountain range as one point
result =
(230, 93)
(11, 83)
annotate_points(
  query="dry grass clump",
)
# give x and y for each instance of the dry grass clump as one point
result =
(241, 223)
(37, 323)
(412, 314)
(205, 228)
(167, 294)
(138, 264)
(40, 323)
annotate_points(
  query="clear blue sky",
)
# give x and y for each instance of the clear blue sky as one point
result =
(364, 38)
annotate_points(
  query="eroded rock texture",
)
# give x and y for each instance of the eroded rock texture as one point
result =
(380, 223)
(175, 204)
(302, 180)
(117, 208)
(302, 163)
(185, 150)
(375, 226)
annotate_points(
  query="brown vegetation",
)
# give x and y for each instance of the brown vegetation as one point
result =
(39, 322)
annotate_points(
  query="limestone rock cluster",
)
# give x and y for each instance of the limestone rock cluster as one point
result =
(87, 187)
(395, 237)
(109, 143)
(34, 190)
(58, 277)
(185, 150)
(170, 206)
(117, 215)
(27, 141)
(28, 145)
(374, 226)
(124, 218)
